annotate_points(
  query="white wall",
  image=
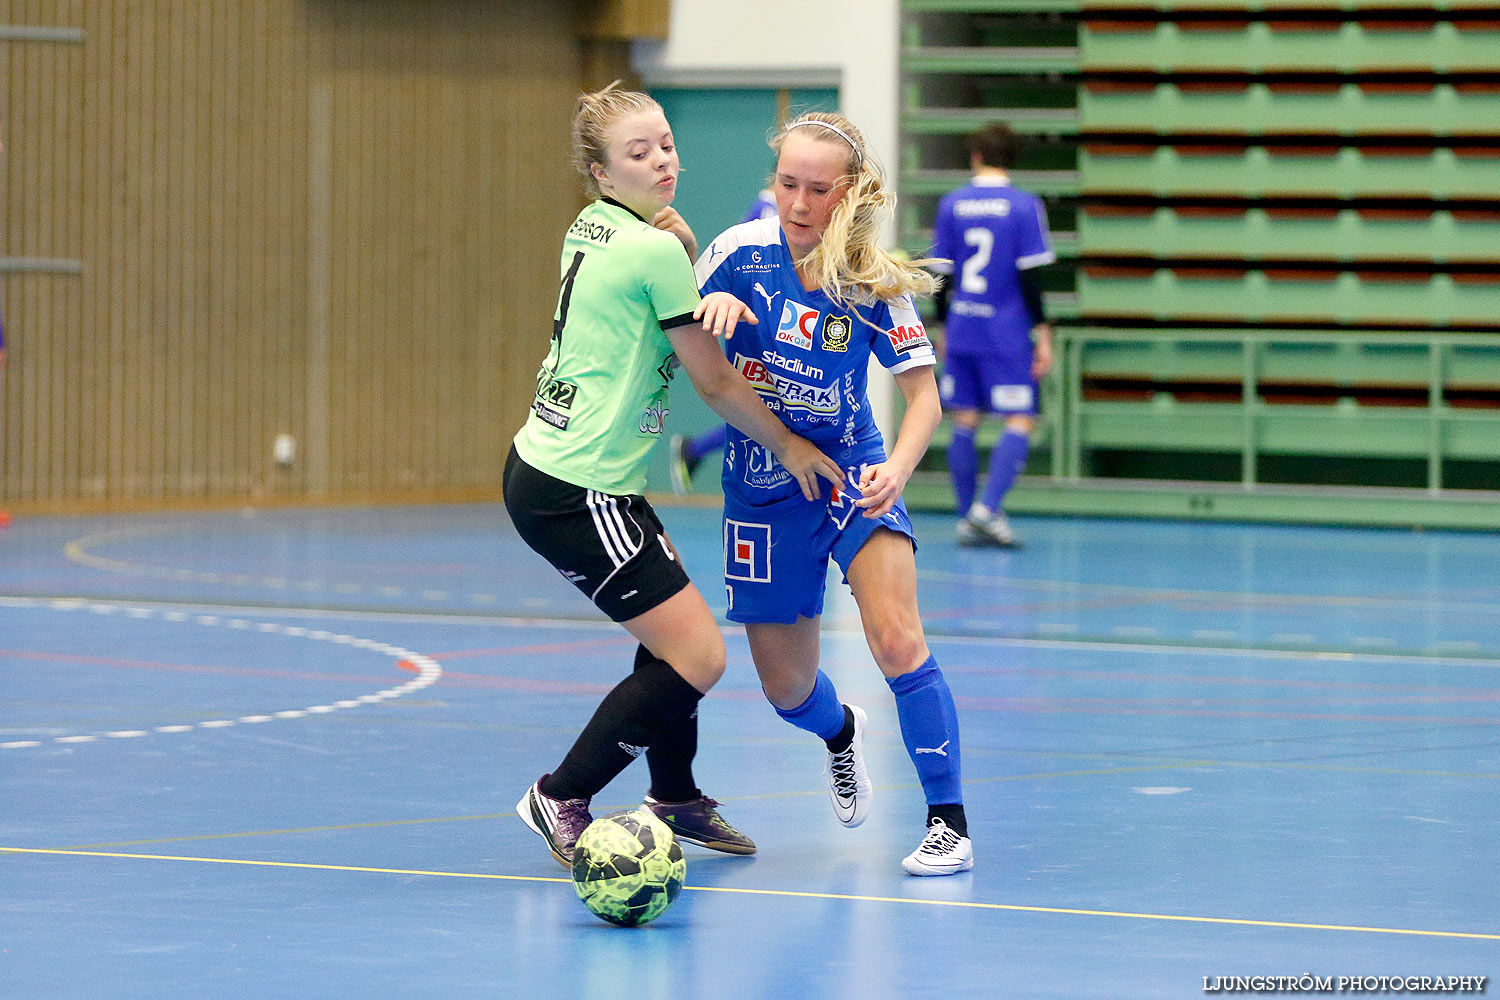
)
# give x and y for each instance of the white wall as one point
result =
(849, 44)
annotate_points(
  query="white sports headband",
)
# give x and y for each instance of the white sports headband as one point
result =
(859, 157)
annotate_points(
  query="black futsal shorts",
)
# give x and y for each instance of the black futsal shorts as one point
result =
(613, 548)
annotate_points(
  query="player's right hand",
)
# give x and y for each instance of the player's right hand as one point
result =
(721, 312)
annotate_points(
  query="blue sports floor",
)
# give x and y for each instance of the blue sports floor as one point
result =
(275, 754)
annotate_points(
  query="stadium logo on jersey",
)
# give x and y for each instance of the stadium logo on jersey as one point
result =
(794, 365)
(747, 551)
(907, 338)
(793, 394)
(797, 325)
(836, 334)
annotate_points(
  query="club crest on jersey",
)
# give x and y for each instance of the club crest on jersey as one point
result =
(836, 334)
(797, 324)
(907, 338)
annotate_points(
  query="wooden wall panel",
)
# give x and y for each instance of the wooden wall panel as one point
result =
(329, 219)
(450, 146)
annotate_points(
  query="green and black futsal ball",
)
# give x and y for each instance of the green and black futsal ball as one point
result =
(627, 867)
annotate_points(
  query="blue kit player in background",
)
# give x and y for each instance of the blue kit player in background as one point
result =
(687, 453)
(998, 343)
(763, 207)
(825, 297)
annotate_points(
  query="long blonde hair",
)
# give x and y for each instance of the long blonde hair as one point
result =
(848, 264)
(593, 116)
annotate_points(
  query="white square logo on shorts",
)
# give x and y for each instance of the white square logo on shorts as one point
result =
(747, 551)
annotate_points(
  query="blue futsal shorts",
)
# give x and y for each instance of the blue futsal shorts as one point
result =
(990, 383)
(776, 555)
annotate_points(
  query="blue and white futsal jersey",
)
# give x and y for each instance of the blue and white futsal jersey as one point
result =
(992, 232)
(808, 357)
(809, 360)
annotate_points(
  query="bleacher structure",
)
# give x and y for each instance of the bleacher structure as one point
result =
(1278, 227)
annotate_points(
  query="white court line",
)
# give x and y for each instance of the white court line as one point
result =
(427, 668)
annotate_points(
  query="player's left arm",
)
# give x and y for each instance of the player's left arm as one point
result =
(881, 484)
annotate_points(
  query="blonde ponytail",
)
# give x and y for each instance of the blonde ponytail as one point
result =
(849, 264)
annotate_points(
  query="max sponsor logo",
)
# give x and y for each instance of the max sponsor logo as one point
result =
(907, 338)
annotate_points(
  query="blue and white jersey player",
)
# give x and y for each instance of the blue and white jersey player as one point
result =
(808, 357)
(824, 298)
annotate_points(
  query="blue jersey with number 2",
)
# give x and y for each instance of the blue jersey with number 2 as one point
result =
(992, 232)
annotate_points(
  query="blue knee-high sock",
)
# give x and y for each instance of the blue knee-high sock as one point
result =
(822, 714)
(963, 467)
(929, 725)
(1006, 463)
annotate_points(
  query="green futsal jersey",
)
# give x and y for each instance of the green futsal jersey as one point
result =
(601, 396)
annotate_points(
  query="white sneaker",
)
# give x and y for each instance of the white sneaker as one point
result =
(941, 852)
(677, 467)
(968, 533)
(980, 527)
(848, 780)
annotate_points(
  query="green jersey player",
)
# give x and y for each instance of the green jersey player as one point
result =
(627, 313)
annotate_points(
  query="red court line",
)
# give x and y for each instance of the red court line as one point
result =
(537, 649)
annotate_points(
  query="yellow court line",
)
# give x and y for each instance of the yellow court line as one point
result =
(1167, 764)
(276, 833)
(791, 894)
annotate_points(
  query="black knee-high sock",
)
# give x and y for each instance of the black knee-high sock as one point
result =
(629, 719)
(670, 756)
